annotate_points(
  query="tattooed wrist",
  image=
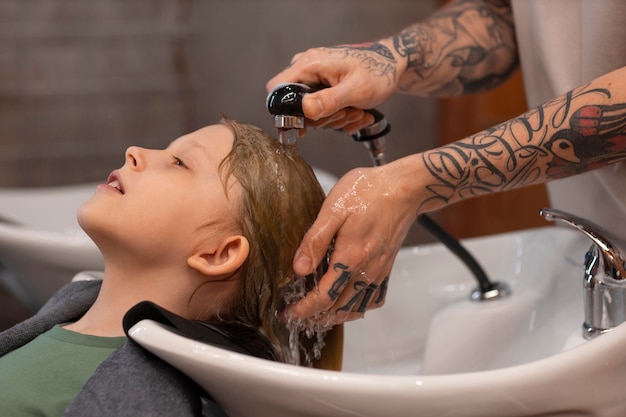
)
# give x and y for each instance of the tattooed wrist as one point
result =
(412, 43)
(466, 47)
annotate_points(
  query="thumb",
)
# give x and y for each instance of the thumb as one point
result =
(313, 106)
(319, 104)
(325, 102)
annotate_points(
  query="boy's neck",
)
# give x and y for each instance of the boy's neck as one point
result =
(121, 290)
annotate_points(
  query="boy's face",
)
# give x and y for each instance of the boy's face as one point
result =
(162, 204)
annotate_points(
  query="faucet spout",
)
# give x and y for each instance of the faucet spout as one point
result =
(604, 283)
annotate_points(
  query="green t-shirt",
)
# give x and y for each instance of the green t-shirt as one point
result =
(42, 377)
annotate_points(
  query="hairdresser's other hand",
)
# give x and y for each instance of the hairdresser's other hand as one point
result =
(369, 212)
(359, 77)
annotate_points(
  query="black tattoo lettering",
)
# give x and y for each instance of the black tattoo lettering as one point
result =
(363, 290)
(375, 47)
(335, 290)
(375, 58)
(382, 293)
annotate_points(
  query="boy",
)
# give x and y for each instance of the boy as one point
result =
(205, 229)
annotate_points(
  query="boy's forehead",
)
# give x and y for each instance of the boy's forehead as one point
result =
(214, 140)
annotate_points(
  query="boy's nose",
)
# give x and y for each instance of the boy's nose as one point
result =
(135, 157)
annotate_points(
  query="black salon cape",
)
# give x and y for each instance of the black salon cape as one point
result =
(132, 382)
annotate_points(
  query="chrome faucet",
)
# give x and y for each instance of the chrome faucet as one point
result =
(604, 283)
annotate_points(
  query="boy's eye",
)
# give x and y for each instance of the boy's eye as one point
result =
(178, 161)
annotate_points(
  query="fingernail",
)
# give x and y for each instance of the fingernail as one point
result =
(302, 264)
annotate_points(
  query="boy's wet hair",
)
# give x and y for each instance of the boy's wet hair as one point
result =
(281, 198)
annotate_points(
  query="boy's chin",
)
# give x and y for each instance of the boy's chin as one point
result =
(83, 216)
(88, 221)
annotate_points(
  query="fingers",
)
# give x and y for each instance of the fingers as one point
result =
(369, 213)
(339, 207)
(321, 104)
(349, 83)
(349, 120)
(343, 294)
(355, 291)
(316, 242)
(328, 101)
(356, 280)
(298, 71)
(359, 297)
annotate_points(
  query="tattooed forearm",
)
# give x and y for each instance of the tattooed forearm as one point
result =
(569, 135)
(466, 47)
(374, 57)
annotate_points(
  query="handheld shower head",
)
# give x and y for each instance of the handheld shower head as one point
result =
(284, 102)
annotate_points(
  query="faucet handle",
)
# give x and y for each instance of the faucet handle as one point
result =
(605, 274)
(612, 248)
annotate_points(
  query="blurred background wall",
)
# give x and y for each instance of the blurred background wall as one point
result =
(82, 80)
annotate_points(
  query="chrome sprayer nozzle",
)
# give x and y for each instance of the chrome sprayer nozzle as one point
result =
(284, 102)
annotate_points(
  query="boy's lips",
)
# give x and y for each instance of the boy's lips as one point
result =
(114, 181)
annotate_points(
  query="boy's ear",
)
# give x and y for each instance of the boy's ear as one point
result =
(224, 260)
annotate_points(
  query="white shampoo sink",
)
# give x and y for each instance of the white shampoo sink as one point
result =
(41, 244)
(430, 351)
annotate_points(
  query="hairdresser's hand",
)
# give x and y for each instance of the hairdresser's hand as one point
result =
(359, 77)
(369, 212)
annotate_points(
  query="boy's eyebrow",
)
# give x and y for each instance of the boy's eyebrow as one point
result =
(201, 146)
(194, 143)
(205, 152)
